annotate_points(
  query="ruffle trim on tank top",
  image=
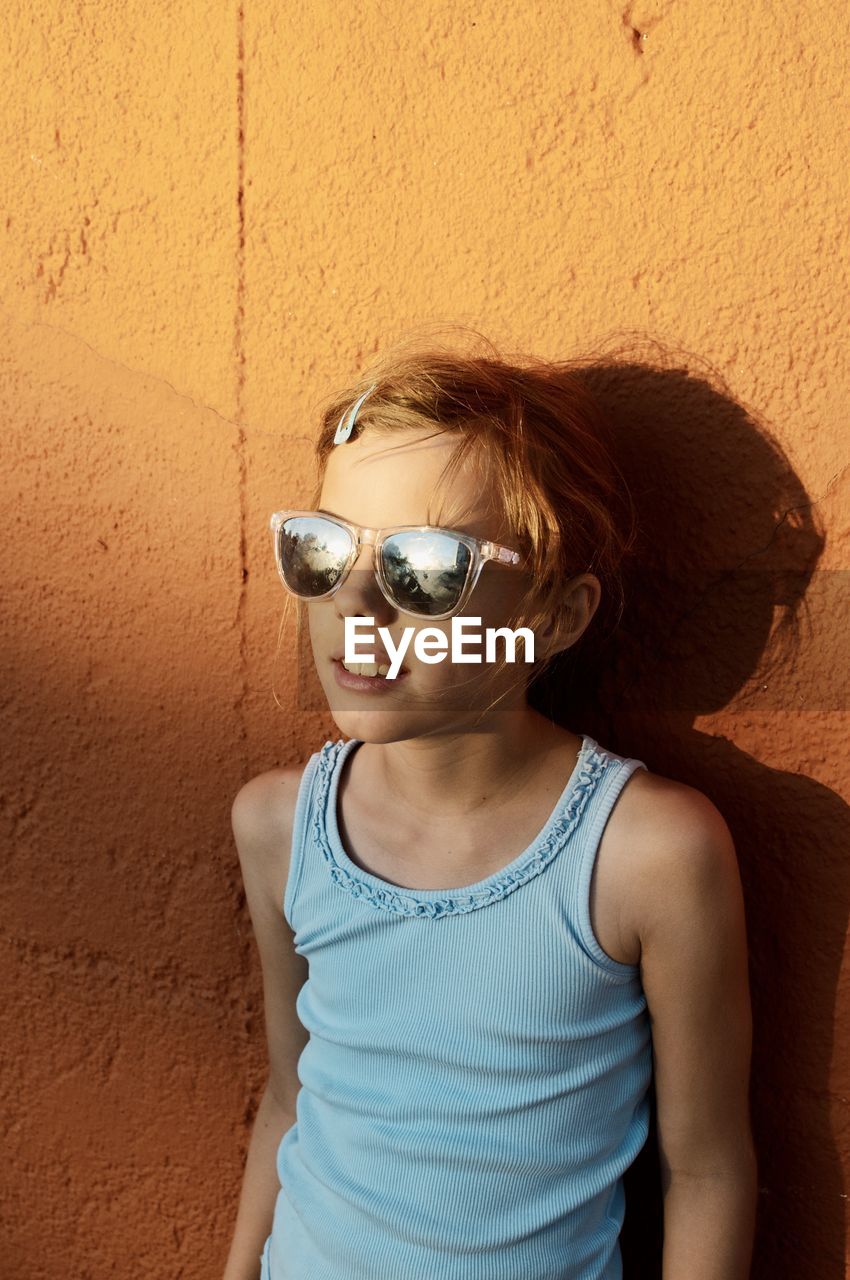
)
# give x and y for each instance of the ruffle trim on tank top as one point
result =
(591, 763)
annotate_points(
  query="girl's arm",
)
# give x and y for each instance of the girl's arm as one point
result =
(262, 817)
(688, 910)
(259, 1190)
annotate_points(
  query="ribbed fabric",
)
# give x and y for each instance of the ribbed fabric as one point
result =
(476, 1078)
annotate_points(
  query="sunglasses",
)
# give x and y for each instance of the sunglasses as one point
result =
(422, 570)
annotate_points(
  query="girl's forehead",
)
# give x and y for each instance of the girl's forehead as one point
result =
(383, 480)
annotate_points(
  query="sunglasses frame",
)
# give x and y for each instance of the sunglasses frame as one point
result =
(481, 550)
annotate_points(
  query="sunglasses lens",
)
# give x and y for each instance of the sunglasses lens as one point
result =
(425, 572)
(313, 553)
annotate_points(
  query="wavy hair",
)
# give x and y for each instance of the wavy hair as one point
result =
(544, 439)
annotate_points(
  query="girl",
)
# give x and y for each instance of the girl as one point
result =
(484, 937)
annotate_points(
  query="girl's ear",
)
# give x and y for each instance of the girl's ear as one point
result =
(551, 638)
(571, 616)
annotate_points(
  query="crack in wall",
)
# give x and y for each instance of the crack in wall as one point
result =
(239, 355)
(634, 33)
(637, 29)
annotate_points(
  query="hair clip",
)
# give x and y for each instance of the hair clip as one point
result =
(344, 428)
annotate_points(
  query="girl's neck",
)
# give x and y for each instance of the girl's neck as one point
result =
(441, 778)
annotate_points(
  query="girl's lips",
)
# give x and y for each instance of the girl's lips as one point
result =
(365, 684)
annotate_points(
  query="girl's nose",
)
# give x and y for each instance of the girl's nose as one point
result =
(360, 595)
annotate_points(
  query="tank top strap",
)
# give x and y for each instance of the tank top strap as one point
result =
(616, 771)
(303, 820)
(611, 774)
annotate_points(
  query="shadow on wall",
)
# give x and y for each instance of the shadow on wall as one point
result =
(724, 578)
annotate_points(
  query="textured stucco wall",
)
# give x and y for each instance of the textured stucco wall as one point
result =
(213, 214)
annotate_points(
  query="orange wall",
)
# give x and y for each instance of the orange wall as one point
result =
(214, 214)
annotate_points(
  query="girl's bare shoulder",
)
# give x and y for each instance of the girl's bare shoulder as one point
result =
(265, 804)
(660, 833)
(262, 816)
(656, 810)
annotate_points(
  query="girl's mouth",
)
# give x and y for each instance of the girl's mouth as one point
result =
(365, 683)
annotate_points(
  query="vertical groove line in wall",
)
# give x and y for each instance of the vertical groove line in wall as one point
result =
(239, 358)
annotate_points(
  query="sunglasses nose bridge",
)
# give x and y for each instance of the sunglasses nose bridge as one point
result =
(363, 577)
(365, 560)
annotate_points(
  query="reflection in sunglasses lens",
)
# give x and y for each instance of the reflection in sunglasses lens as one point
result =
(313, 553)
(425, 572)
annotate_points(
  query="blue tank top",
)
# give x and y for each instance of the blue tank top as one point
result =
(476, 1077)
